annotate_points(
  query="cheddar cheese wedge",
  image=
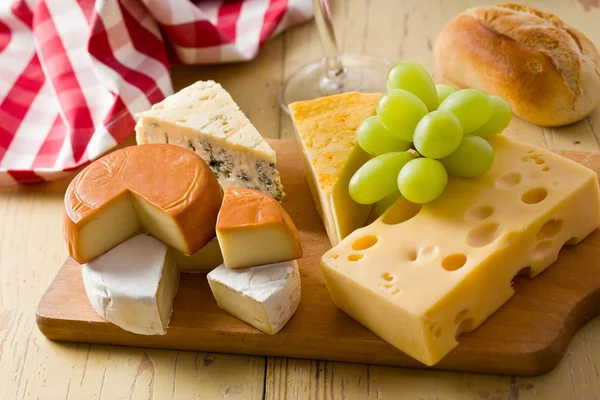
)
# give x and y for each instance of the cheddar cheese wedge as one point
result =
(326, 130)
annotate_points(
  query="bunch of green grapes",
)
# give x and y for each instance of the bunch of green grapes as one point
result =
(422, 133)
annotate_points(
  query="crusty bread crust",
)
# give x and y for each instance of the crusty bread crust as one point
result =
(547, 71)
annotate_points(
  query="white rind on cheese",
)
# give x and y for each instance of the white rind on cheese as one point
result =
(418, 277)
(265, 297)
(204, 118)
(133, 285)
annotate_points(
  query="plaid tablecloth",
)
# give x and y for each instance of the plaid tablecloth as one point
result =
(73, 73)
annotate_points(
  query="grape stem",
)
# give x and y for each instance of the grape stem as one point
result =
(414, 151)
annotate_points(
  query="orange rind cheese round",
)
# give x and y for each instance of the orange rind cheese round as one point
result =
(253, 229)
(161, 189)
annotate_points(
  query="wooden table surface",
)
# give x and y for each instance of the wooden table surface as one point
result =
(32, 250)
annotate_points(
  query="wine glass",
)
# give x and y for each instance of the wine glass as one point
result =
(335, 73)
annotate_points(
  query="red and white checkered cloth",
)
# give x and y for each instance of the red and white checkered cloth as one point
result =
(73, 73)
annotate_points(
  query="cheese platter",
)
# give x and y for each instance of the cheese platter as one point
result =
(399, 228)
(525, 337)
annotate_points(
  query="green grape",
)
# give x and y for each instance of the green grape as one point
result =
(422, 180)
(473, 158)
(438, 134)
(386, 202)
(444, 91)
(375, 139)
(472, 107)
(501, 116)
(377, 177)
(400, 112)
(412, 77)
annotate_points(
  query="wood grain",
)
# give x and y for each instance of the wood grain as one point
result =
(525, 337)
(31, 249)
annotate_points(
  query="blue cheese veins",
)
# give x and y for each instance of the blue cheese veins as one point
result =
(204, 118)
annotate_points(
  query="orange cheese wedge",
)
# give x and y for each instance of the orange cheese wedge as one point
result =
(165, 190)
(253, 229)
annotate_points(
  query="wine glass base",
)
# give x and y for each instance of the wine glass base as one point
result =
(361, 73)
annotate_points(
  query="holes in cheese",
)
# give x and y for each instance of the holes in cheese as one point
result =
(525, 271)
(508, 180)
(546, 168)
(479, 212)
(461, 316)
(533, 158)
(428, 252)
(483, 234)
(543, 249)
(550, 229)
(412, 255)
(130, 191)
(365, 242)
(465, 326)
(481, 281)
(386, 276)
(253, 229)
(454, 261)
(534, 196)
(355, 257)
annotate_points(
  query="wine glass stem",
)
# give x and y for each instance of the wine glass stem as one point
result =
(327, 36)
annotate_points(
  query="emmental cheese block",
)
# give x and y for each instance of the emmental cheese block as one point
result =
(253, 229)
(265, 297)
(419, 276)
(162, 189)
(326, 130)
(204, 118)
(133, 285)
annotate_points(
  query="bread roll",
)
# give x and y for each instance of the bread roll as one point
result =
(548, 71)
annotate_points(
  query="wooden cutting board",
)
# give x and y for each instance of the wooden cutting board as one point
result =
(527, 336)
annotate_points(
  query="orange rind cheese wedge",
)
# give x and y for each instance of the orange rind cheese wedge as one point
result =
(253, 229)
(161, 189)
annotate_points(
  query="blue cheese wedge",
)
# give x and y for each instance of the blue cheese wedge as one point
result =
(204, 118)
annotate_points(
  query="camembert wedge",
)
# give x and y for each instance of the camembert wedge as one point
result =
(133, 285)
(253, 229)
(326, 130)
(418, 276)
(265, 297)
(204, 118)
